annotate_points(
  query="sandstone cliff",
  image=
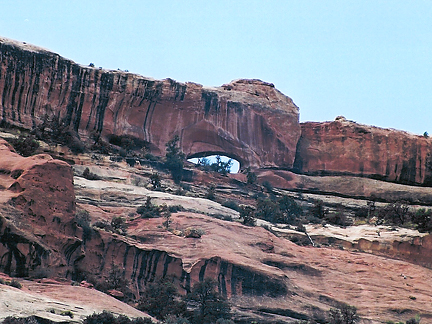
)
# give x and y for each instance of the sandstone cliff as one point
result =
(248, 120)
(343, 147)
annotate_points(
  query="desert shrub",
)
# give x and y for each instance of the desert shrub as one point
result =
(116, 278)
(174, 319)
(204, 164)
(149, 210)
(344, 314)
(103, 225)
(20, 320)
(175, 208)
(318, 210)
(166, 214)
(221, 166)
(25, 145)
(155, 181)
(207, 304)
(211, 191)
(414, 320)
(59, 131)
(82, 218)
(130, 161)
(423, 220)
(67, 313)
(337, 218)
(218, 166)
(290, 210)
(118, 225)
(396, 213)
(186, 186)
(90, 175)
(161, 299)
(250, 176)
(108, 318)
(247, 213)
(124, 141)
(268, 210)
(174, 159)
(15, 283)
(362, 212)
(231, 204)
(268, 186)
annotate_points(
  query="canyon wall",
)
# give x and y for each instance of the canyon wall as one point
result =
(248, 120)
(344, 147)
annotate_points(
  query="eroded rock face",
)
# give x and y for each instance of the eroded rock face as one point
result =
(37, 215)
(248, 120)
(343, 147)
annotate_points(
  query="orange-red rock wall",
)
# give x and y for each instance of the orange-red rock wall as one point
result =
(248, 119)
(348, 148)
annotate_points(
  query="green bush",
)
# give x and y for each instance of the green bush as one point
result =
(149, 210)
(396, 213)
(90, 175)
(175, 208)
(268, 186)
(173, 319)
(108, 318)
(211, 192)
(251, 176)
(82, 218)
(268, 210)
(59, 131)
(174, 159)
(291, 211)
(344, 314)
(221, 166)
(247, 214)
(207, 304)
(116, 278)
(25, 145)
(318, 210)
(118, 225)
(15, 283)
(155, 181)
(161, 299)
(20, 320)
(423, 220)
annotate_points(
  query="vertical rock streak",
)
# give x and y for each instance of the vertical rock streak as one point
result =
(35, 83)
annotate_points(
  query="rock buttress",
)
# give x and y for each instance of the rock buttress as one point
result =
(343, 147)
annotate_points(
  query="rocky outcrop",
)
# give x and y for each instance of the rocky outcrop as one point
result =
(248, 120)
(51, 301)
(343, 147)
(37, 214)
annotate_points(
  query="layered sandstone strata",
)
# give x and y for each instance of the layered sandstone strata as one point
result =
(344, 147)
(248, 120)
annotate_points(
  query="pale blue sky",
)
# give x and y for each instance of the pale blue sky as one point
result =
(368, 60)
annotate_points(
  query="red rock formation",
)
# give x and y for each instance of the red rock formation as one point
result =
(38, 211)
(248, 120)
(343, 147)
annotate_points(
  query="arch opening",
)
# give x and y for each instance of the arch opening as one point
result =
(207, 160)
